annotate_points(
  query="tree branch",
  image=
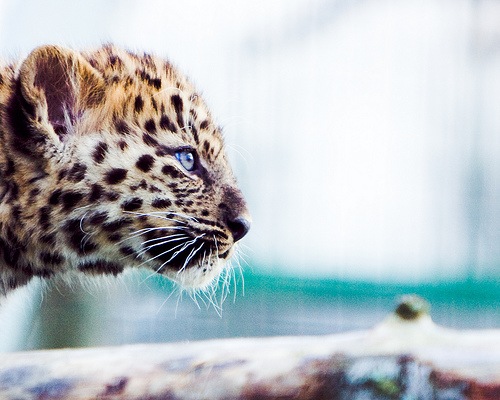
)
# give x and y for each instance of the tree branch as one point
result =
(407, 356)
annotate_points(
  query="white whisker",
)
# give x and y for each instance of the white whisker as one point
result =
(184, 247)
(81, 222)
(166, 252)
(164, 302)
(192, 253)
(143, 231)
(177, 235)
(166, 239)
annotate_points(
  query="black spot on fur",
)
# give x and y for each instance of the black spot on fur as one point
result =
(55, 196)
(77, 172)
(96, 192)
(48, 238)
(155, 82)
(220, 233)
(122, 144)
(224, 255)
(15, 213)
(122, 127)
(115, 175)
(150, 126)
(127, 251)
(86, 246)
(132, 205)
(98, 218)
(38, 271)
(10, 252)
(143, 74)
(194, 131)
(14, 191)
(44, 217)
(145, 162)
(204, 124)
(7, 168)
(178, 105)
(166, 124)
(77, 239)
(206, 146)
(138, 104)
(51, 258)
(171, 171)
(205, 213)
(114, 237)
(62, 174)
(93, 62)
(180, 192)
(161, 203)
(112, 196)
(11, 189)
(149, 140)
(100, 152)
(142, 185)
(40, 176)
(70, 199)
(101, 267)
(115, 61)
(112, 59)
(10, 168)
(116, 225)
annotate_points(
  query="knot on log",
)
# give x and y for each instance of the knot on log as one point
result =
(412, 307)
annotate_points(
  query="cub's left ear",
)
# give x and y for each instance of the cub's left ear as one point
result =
(55, 86)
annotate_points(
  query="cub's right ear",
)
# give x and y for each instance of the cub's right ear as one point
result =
(54, 87)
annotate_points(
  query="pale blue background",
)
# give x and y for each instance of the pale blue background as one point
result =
(365, 134)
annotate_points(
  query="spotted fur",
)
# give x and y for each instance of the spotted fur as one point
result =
(91, 177)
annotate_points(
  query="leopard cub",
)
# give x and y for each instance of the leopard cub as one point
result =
(110, 159)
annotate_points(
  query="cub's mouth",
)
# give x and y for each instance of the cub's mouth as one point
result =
(193, 262)
(186, 251)
(179, 253)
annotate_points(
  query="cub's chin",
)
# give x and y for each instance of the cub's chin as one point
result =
(200, 275)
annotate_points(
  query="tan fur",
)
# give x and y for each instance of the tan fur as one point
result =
(89, 173)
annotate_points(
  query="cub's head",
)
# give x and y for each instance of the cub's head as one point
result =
(119, 163)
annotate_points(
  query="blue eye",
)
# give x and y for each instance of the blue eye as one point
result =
(186, 159)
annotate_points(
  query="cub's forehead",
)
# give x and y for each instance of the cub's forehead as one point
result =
(118, 65)
(148, 92)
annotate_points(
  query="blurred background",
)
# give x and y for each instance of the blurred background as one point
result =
(365, 135)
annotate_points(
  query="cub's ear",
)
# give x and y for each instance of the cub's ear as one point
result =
(55, 86)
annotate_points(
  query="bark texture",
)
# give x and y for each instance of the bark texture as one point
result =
(405, 357)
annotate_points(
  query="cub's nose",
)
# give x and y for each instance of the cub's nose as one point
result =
(239, 227)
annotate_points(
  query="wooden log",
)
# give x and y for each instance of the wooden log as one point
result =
(405, 357)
